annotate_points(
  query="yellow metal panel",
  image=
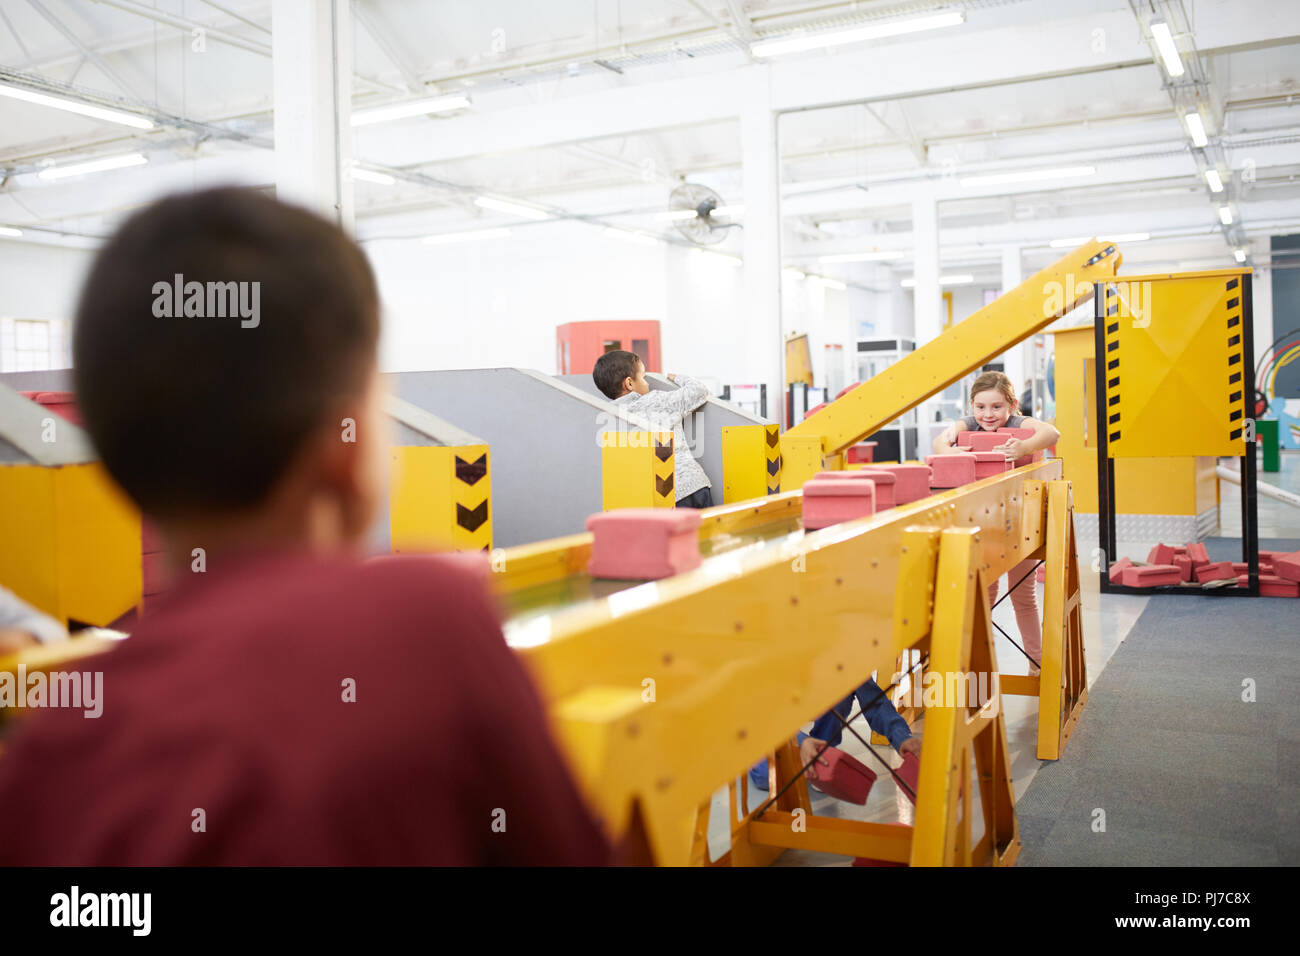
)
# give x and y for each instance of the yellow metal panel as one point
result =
(1175, 366)
(97, 535)
(27, 541)
(419, 495)
(439, 498)
(471, 491)
(751, 462)
(1011, 318)
(637, 470)
(69, 542)
(798, 360)
(801, 457)
(1171, 486)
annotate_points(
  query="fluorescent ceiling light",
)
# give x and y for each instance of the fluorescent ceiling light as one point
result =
(886, 256)
(798, 43)
(835, 284)
(75, 106)
(1196, 128)
(421, 107)
(628, 236)
(1213, 180)
(472, 236)
(1239, 255)
(1225, 215)
(1168, 49)
(792, 273)
(512, 208)
(8, 231)
(732, 211)
(1029, 175)
(1118, 237)
(93, 166)
(371, 176)
(910, 282)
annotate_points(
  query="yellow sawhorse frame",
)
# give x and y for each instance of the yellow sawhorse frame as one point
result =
(946, 565)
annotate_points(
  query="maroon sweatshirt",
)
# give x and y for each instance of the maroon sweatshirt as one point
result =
(229, 699)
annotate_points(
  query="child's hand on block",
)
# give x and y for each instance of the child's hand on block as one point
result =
(809, 748)
(912, 745)
(1014, 448)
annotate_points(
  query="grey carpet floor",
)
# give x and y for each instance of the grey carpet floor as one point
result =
(1183, 771)
(1229, 549)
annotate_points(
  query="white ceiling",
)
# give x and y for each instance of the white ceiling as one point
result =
(848, 170)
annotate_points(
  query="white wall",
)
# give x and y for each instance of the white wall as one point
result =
(40, 281)
(497, 302)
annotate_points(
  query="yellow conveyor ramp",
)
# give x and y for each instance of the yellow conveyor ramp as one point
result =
(1011, 318)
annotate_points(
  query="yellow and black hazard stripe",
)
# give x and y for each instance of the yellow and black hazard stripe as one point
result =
(772, 435)
(471, 490)
(1112, 362)
(1237, 398)
(664, 470)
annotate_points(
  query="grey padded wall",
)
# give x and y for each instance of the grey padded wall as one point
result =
(703, 428)
(544, 442)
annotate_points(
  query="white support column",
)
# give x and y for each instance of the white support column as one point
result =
(927, 297)
(760, 322)
(1013, 360)
(311, 57)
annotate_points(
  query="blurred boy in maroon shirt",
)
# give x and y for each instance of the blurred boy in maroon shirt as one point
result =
(284, 703)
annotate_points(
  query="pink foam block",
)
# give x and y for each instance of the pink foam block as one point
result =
(1199, 556)
(1117, 569)
(988, 463)
(951, 470)
(1153, 575)
(910, 774)
(1161, 554)
(639, 544)
(846, 389)
(843, 473)
(862, 452)
(846, 778)
(912, 480)
(883, 480)
(829, 501)
(981, 441)
(1270, 585)
(1286, 566)
(1184, 565)
(886, 482)
(1218, 571)
(814, 410)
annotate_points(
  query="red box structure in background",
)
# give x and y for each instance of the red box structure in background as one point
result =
(579, 344)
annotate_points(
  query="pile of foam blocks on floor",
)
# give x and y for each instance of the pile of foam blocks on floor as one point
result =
(1189, 565)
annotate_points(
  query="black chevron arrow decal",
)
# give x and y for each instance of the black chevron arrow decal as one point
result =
(664, 485)
(471, 472)
(471, 520)
(664, 450)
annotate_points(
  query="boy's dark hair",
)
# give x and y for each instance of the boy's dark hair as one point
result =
(612, 369)
(194, 415)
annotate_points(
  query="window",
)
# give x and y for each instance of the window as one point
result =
(33, 345)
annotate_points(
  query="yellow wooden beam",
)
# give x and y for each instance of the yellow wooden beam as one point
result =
(1011, 318)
